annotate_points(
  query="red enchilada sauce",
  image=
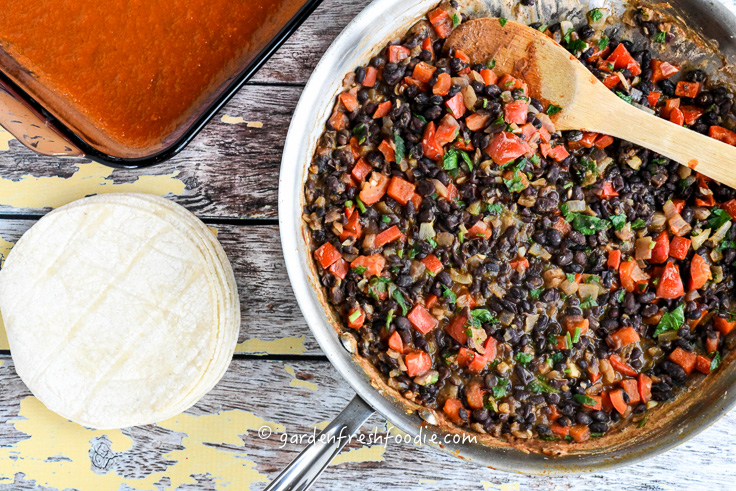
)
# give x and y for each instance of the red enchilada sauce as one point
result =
(136, 69)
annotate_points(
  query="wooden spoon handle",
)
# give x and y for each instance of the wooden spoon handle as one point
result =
(708, 156)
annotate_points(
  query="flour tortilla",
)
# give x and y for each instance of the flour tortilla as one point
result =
(120, 309)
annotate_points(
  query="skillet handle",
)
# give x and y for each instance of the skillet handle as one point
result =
(306, 468)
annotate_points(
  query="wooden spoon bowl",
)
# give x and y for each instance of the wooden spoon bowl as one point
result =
(555, 76)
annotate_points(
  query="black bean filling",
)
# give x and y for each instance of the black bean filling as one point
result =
(524, 249)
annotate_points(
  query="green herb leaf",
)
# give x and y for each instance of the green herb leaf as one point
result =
(502, 21)
(396, 295)
(449, 161)
(660, 37)
(638, 223)
(542, 28)
(359, 269)
(585, 400)
(625, 97)
(491, 64)
(540, 385)
(523, 358)
(566, 37)
(420, 117)
(386, 219)
(618, 221)
(449, 294)
(588, 303)
(595, 15)
(389, 319)
(576, 336)
(400, 147)
(483, 316)
(717, 218)
(360, 205)
(535, 159)
(535, 293)
(553, 109)
(716, 362)
(589, 165)
(726, 244)
(588, 225)
(515, 184)
(642, 422)
(671, 321)
(432, 242)
(577, 46)
(361, 133)
(501, 387)
(455, 20)
(602, 43)
(570, 277)
(495, 208)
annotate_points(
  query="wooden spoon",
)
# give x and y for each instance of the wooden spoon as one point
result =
(555, 76)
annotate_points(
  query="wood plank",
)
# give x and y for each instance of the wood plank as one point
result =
(217, 442)
(271, 323)
(229, 170)
(295, 60)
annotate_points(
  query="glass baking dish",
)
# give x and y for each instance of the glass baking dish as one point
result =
(46, 123)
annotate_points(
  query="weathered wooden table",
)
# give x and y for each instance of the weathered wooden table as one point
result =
(279, 385)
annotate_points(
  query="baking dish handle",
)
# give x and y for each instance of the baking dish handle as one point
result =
(32, 129)
(304, 470)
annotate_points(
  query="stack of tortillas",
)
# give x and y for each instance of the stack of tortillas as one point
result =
(120, 310)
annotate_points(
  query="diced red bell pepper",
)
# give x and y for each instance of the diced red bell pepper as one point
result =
(711, 344)
(587, 141)
(631, 275)
(350, 101)
(452, 409)
(580, 433)
(395, 342)
(476, 121)
(431, 301)
(508, 82)
(427, 45)
(608, 192)
(562, 226)
(699, 272)
(520, 264)
(441, 22)
(661, 250)
(476, 362)
(389, 235)
(621, 367)
(432, 149)
(370, 77)
(677, 117)
(722, 325)
(443, 84)
(670, 284)
(645, 387)
(338, 120)
(631, 387)
(707, 201)
(653, 98)
(623, 337)
(722, 134)
(417, 363)
(456, 105)
(489, 76)
(679, 247)
(474, 395)
(612, 81)
(456, 329)
(373, 189)
(423, 72)
(559, 430)
(421, 319)
(685, 359)
(373, 264)
(702, 364)
(662, 70)
(423, 87)
(352, 227)
(432, 263)
(447, 131)
(691, 113)
(557, 153)
(505, 147)
(730, 207)
(575, 322)
(361, 169)
(515, 112)
(618, 401)
(480, 229)
(396, 53)
(621, 58)
(603, 141)
(339, 268)
(669, 106)
(356, 318)
(687, 89)
(388, 152)
(382, 110)
(326, 255)
(400, 190)
(614, 259)
(598, 402)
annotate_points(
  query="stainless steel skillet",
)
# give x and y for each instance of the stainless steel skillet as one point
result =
(380, 22)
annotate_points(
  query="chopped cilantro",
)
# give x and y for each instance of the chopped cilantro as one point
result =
(553, 109)
(420, 117)
(566, 37)
(396, 295)
(642, 422)
(535, 293)
(588, 303)
(523, 358)
(495, 208)
(671, 321)
(360, 205)
(660, 37)
(389, 319)
(716, 361)
(618, 221)
(348, 204)
(540, 385)
(455, 20)
(595, 15)
(585, 400)
(432, 242)
(726, 244)
(483, 316)
(588, 225)
(501, 387)
(535, 159)
(625, 97)
(491, 64)
(449, 294)
(400, 147)
(638, 223)
(361, 133)
(589, 165)
(717, 218)
(603, 43)
(386, 219)
(515, 184)
(502, 21)
(577, 45)
(359, 269)
(570, 277)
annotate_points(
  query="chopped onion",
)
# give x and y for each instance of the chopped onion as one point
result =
(679, 226)
(439, 187)
(531, 321)
(446, 238)
(462, 81)
(462, 278)
(416, 269)
(553, 277)
(506, 96)
(546, 122)
(577, 206)
(717, 273)
(634, 162)
(684, 171)
(716, 255)
(568, 287)
(643, 248)
(625, 233)
(692, 295)
(426, 231)
(506, 318)
(603, 164)
(699, 240)
(669, 209)
(701, 212)
(469, 97)
(539, 251)
(474, 208)
(586, 290)
(720, 234)
(658, 221)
